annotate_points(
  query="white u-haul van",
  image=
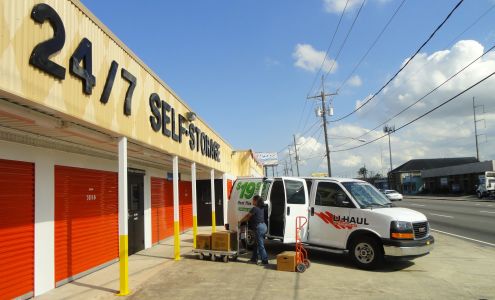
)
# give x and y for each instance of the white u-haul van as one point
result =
(344, 216)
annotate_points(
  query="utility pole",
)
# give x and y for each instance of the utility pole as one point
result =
(476, 127)
(297, 158)
(324, 117)
(286, 169)
(290, 159)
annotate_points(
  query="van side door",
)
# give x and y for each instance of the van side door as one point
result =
(329, 218)
(296, 204)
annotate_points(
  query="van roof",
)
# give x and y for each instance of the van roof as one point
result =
(338, 179)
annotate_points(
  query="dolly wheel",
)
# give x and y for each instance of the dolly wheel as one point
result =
(301, 268)
(201, 256)
(212, 257)
(307, 263)
(225, 259)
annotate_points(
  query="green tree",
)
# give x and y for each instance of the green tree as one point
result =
(363, 172)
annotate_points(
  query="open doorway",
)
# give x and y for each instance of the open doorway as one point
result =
(277, 214)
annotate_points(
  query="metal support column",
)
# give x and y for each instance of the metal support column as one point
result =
(176, 207)
(213, 217)
(194, 203)
(123, 225)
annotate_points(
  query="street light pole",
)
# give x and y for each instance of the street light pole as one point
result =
(389, 129)
(324, 117)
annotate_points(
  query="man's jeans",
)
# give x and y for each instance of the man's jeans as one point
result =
(260, 243)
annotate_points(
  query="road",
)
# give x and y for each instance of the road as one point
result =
(474, 220)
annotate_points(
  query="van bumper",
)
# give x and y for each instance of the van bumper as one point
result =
(408, 248)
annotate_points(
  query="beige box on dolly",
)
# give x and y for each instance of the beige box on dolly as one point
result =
(203, 241)
(286, 261)
(224, 241)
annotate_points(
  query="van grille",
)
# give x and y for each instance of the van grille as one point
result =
(420, 230)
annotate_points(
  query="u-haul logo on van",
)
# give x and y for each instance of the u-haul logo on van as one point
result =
(341, 222)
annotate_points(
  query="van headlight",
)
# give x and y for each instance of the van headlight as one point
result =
(401, 230)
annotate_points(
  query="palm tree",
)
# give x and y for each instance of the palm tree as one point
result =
(363, 172)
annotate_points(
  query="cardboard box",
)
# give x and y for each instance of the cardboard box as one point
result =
(286, 261)
(203, 241)
(224, 241)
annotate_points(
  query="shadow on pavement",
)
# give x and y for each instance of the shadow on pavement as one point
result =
(95, 287)
(339, 260)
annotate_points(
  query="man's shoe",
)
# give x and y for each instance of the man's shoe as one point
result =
(252, 261)
(265, 262)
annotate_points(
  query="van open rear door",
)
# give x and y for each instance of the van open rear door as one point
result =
(296, 204)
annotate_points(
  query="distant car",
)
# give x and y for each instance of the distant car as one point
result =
(392, 195)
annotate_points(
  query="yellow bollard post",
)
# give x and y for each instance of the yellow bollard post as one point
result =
(124, 265)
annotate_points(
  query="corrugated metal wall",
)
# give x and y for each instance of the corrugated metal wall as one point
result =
(16, 228)
(86, 220)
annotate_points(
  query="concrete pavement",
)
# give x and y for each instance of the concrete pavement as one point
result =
(444, 197)
(456, 269)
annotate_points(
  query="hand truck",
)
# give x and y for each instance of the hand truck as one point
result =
(302, 261)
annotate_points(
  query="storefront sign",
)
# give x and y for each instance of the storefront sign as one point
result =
(163, 116)
(267, 158)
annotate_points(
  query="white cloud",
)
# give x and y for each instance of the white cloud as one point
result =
(337, 6)
(351, 161)
(426, 72)
(310, 59)
(355, 81)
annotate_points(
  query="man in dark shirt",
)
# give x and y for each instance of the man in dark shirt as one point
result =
(256, 218)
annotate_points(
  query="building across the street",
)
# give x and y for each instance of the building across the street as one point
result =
(408, 179)
(97, 153)
(456, 179)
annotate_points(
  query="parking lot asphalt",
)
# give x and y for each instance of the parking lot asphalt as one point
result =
(455, 269)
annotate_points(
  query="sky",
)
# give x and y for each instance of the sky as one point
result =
(247, 68)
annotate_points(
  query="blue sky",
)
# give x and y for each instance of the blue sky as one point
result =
(246, 68)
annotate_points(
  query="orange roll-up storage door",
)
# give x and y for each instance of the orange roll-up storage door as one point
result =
(229, 188)
(86, 220)
(16, 228)
(158, 222)
(169, 208)
(185, 204)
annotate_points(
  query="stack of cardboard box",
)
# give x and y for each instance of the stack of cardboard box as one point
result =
(224, 241)
(203, 241)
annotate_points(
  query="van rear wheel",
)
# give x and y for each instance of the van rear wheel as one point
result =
(250, 239)
(366, 253)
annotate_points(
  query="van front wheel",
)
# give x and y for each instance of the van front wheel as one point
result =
(366, 253)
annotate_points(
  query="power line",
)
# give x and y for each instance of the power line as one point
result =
(372, 45)
(328, 49)
(345, 40)
(405, 64)
(472, 24)
(422, 115)
(426, 95)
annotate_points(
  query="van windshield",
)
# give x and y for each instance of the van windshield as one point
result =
(366, 195)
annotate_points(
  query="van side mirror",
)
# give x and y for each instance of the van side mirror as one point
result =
(342, 200)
